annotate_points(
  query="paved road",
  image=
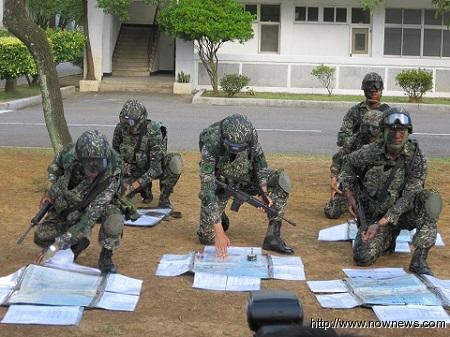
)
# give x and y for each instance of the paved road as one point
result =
(282, 130)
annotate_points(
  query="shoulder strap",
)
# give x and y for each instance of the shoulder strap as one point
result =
(138, 144)
(382, 193)
(383, 107)
(96, 188)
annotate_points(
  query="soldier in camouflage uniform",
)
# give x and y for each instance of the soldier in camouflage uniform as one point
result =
(349, 135)
(231, 153)
(368, 133)
(392, 174)
(143, 146)
(84, 180)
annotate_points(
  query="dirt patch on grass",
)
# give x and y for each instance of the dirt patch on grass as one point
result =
(170, 306)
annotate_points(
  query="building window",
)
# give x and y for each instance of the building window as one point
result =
(329, 14)
(268, 20)
(416, 32)
(360, 16)
(360, 40)
(310, 14)
(252, 9)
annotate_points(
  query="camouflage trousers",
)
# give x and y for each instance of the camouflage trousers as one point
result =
(278, 195)
(335, 207)
(418, 217)
(167, 180)
(111, 228)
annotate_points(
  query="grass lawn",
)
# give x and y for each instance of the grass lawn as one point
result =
(21, 92)
(317, 97)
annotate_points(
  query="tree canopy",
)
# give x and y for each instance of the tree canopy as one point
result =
(209, 23)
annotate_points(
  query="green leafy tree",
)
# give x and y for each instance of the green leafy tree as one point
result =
(326, 76)
(442, 6)
(209, 23)
(415, 83)
(371, 5)
(18, 22)
(44, 12)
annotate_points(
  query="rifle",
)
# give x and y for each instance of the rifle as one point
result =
(362, 220)
(239, 197)
(35, 221)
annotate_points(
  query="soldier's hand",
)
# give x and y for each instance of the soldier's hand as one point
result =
(371, 232)
(136, 184)
(45, 255)
(269, 200)
(351, 203)
(44, 198)
(222, 241)
(334, 187)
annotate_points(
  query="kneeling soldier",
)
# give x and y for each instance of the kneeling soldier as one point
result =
(231, 153)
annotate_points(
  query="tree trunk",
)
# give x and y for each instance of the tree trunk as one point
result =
(90, 73)
(11, 84)
(18, 22)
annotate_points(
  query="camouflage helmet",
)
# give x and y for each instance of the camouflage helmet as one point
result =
(370, 124)
(372, 80)
(133, 113)
(93, 151)
(397, 117)
(236, 133)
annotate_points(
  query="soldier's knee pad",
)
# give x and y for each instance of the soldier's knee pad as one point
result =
(363, 259)
(432, 203)
(175, 164)
(113, 225)
(284, 182)
(41, 241)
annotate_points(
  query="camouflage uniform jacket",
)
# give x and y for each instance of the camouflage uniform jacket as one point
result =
(147, 164)
(247, 169)
(372, 164)
(70, 186)
(352, 123)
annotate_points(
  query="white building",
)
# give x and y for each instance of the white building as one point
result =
(293, 36)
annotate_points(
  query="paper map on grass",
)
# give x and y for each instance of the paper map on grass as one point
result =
(236, 272)
(64, 283)
(386, 288)
(149, 217)
(348, 230)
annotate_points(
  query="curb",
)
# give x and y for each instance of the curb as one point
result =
(33, 100)
(265, 102)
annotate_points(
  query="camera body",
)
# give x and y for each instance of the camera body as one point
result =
(269, 312)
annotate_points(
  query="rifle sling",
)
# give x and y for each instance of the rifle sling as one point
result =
(382, 193)
(96, 188)
(138, 144)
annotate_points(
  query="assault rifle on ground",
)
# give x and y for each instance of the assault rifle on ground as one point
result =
(35, 221)
(239, 197)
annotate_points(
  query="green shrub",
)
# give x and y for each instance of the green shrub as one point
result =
(67, 45)
(183, 78)
(233, 83)
(415, 83)
(4, 32)
(325, 75)
(15, 59)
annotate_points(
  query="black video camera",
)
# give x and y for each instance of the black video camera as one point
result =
(270, 313)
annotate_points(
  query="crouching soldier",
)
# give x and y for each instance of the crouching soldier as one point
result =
(142, 144)
(392, 173)
(231, 153)
(84, 180)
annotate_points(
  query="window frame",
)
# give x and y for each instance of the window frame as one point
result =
(422, 27)
(320, 16)
(266, 23)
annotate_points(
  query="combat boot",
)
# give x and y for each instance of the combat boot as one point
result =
(81, 245)
(164, 201)
(392, 242)
(225, 222)
(273, 241)
(418, 263)
(146, 194)
(105, 263)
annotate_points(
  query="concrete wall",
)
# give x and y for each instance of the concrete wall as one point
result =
(111, 31)
(1, 12)
(185, 59)
(96, 17)
(141, 13)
